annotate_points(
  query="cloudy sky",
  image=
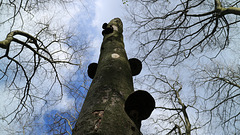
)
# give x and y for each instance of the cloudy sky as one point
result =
(87, 17)
(102, 11)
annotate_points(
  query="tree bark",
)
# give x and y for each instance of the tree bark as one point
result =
(103, 110)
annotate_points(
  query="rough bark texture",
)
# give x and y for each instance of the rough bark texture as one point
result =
(103, 110)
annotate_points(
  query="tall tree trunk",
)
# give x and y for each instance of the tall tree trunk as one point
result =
(103, 110)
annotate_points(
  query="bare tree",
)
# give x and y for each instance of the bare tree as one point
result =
(174, 116)
(63, 122)
(220, 100)
(35, 68)
(176, 30)
(208, 104)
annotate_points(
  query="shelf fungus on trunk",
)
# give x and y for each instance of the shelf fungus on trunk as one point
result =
(107, 29)
(136, 66)
(139, 106)
(92, 68)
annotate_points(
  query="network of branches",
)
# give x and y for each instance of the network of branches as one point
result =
(176, 30)
(204, 99)
(36, 68)
(34, 56)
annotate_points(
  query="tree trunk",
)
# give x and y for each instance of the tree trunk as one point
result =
(103, 110)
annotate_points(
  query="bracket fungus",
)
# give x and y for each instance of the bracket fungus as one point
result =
(139, 106)
(107, 29)
(92, 68)
(136, 66)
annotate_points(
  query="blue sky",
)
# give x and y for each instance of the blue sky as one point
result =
(84, 18)
(89, 22)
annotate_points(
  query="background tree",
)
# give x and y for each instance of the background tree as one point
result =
(183, 40)
(221, 84)
(39, 60)
(173, 116)
(171, 33)
(63, 122)
(176, 30)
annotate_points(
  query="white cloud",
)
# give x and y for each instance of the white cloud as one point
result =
(65, 104)
(106, 10)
